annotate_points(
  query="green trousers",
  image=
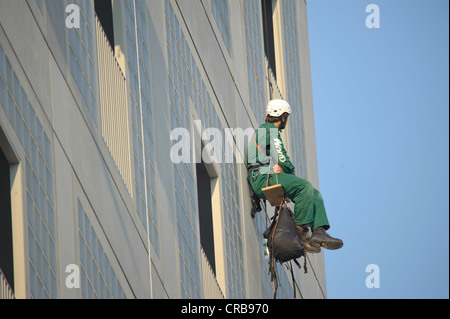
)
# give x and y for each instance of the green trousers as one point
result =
(309, 207)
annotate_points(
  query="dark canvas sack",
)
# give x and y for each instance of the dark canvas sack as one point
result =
(282, 237)
(284, 243)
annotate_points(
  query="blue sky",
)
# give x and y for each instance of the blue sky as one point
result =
(381, 104)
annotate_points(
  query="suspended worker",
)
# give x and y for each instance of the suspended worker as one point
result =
(268, 162)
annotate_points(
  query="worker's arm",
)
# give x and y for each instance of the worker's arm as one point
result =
(283, 159)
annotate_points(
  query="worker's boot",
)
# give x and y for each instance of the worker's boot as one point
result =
(304, 236)
(320, 238)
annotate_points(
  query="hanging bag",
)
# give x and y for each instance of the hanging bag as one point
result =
(282, 237)
(283, 242)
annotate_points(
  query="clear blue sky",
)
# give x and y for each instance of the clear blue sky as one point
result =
(381, 104)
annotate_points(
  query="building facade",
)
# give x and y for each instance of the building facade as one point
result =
(121, 175)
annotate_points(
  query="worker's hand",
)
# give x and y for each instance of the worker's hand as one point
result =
(277, 169)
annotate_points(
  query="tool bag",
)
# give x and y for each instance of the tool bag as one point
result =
(283, 241)
(282, 236)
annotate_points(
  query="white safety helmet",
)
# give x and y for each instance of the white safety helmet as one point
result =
(276, 108)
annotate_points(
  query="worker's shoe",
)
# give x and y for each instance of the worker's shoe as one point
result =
(304, 236)
(320, 238)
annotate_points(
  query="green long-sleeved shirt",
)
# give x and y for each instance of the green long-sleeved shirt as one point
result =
(259, 150)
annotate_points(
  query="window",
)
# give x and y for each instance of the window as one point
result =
(6, 244)
(256, 68)
(104, 11)
(205, 213)
(98, 278)
(269, 43)
(83, 58)
(220, 10)
(138, 48)
(38, 162)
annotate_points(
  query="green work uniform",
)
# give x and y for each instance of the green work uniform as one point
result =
(309, 207)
